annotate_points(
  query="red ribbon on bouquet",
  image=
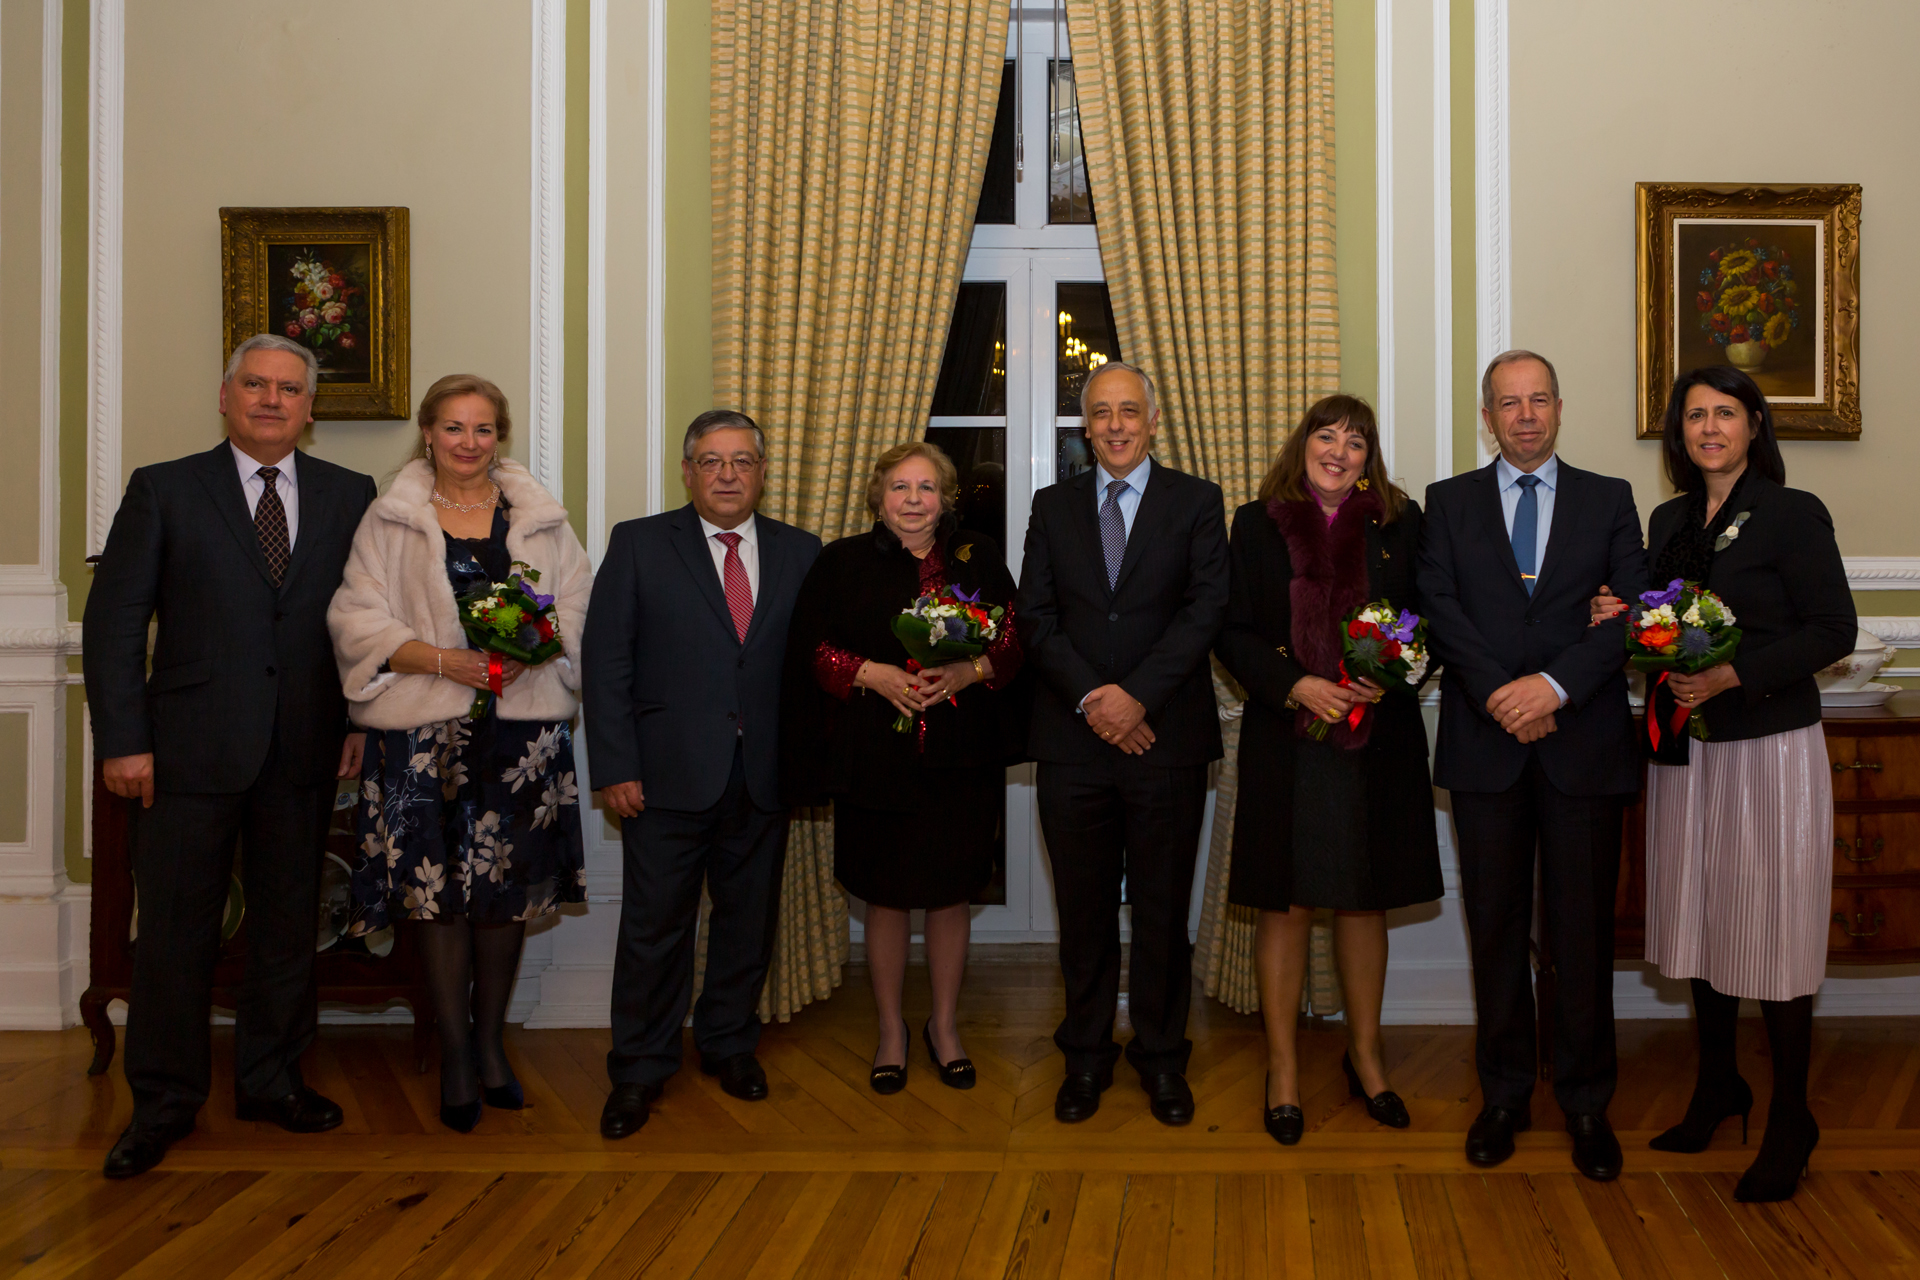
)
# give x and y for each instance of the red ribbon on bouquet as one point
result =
(1681, 714)
(496, 671)
(1359, 710)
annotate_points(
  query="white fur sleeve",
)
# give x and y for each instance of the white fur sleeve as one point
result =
(365, 632)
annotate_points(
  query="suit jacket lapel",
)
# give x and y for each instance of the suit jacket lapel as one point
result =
(1153, 506)
(222, 480)
(692, 546)
(1085, 517)
(1568, 494)
(1495, 518)
(315, 516)
(772, 570)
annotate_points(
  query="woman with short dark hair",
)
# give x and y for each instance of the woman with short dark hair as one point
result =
(1740, 825)
(915, 812)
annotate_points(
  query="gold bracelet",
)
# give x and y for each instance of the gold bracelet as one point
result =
(977, 673)
(439, 660)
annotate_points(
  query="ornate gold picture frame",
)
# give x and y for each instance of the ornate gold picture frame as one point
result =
(335, 281)
(1763, 278)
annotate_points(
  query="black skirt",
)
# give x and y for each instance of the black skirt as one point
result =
(932, 856)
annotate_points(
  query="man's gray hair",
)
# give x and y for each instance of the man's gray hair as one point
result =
(1122, 366)
(722, 420)
(1513, 357)
(274, 342)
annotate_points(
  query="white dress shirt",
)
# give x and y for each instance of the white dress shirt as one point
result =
(1548, 474)
(255, 488)
(1129, 497)
(749, 552)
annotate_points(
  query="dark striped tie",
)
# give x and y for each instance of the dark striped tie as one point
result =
(1526, 531)
(270, 522)
(1113, 532)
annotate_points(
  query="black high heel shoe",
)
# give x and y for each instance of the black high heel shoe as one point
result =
(1385, 1106)
(460, 1117)
(888, 1078)
(1711, 1103)
(506, 1097)
(1785, 1149)
(1286, 1122)
(957, 1074)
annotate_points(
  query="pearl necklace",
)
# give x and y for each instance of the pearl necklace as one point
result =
(451, 505)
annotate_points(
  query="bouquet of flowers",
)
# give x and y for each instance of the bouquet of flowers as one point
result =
(510, 620)
(1682, 627)
(1385, 645)
(938, 629)
(1748, 300)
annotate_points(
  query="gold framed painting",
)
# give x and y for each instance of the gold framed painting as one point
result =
(335, 281)
(1763, 278)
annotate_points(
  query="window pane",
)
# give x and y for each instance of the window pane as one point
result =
(1072, 454)
(996, 188)
(973, 372)
(1083, 318)
(1069, 200)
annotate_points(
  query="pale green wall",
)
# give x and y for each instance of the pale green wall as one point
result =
(15, 742)
(1354, 158)
(689, 233)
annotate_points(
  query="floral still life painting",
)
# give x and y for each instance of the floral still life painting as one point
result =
(321, 302)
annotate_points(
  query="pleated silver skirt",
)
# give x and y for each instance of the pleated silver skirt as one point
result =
(1740, 865)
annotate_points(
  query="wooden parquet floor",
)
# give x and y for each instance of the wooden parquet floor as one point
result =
(826, 1179)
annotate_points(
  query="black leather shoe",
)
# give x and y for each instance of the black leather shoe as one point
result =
(627, 1109)
(506, 1097)
(1079, 1095)
(139, 1149)
(302, 1111)
(1169, 1098)
(1490, 1139)
(1596, 1152)
(1286, 1122)
(740, 1075)
(957, 1074)
(1385, 1106)
(461, 1117)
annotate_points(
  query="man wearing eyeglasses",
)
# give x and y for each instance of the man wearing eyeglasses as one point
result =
(685, 636)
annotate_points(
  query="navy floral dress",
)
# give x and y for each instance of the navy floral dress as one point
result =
(468, 817)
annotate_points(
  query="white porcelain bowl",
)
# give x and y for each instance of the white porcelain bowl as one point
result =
(1869, 654)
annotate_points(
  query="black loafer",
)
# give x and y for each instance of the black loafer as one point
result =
(1286, 1124)
(627, 1109)
(1169, 1098)
(1596, 1152)
(957, 1074)
(1079, 1095)
(302, 1111)
(1385, 1106)
(741, 1076)
(141, 1148)
(1490, 1139)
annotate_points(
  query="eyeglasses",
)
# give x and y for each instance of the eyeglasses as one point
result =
(711, 464)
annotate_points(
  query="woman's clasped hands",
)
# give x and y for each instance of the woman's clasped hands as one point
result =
(1332, 702)
(912, 692)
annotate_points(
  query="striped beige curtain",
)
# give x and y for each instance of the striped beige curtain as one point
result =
(849, 141)
(1208, 128)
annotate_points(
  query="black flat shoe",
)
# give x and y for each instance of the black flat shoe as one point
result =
(889, 1078)
(507, 1097)
(1785, 1149)
(1596, 1152)
(1169, 1098)
(1079, 1095)
(1490, 1138)
(957, 1074)
(1711, 1103)
(741, 1076)
(1285, 1123)
(302, 1111)
(627, 1109)
(1385, 1106)
(140, 1149)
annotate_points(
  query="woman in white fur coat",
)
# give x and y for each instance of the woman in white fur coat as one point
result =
(469, 825)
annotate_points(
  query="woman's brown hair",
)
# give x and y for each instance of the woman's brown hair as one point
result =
(943, 470)
(1287, 479)
(462, 384)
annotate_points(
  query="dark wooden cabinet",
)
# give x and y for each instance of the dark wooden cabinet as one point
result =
(1875, 756)
(345, 976)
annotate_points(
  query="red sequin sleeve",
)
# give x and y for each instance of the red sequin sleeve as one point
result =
(1005, 653)
(835, 668)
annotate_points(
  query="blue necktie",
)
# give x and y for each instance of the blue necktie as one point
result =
(1113, 531)
(1526, 530)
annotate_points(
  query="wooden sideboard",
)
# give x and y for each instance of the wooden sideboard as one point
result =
(345, 976)
(1875, 917)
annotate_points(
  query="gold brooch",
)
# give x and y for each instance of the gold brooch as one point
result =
(963, 554)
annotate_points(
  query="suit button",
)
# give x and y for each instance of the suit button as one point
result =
(279, 615)
(269, 670)
(1113, 617)
(742, 664)
(732, 716)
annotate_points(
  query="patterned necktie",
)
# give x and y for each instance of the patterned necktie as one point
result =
(1113, 532)
(739, 591)
(270, 522)
(1526, 530)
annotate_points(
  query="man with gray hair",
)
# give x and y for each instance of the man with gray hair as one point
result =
(686, 634)
(1536, 747)
(240, 732)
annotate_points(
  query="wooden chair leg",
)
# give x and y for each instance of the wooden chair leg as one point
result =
(93, 1012)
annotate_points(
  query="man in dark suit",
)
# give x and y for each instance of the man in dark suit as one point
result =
(1123, 590)
(1536, 747)
(683, 647)
(240, 732)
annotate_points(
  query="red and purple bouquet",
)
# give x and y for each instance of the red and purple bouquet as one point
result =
(1385, 645)
(938, 629)
(510, 620)
(1682, 627)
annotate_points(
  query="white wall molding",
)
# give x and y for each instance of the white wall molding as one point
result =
(1383, 219)
(546, 375)
(1492, 191)
(1902, 633)
(106, 198)
(1442, 239)
(1883, 573)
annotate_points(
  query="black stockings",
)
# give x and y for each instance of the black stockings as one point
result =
(1715, 1018)
(470, 972)
(1790, 1037)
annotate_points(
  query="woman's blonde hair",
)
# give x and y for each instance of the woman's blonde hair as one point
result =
(1286, 480)
(461, 384)
(943, 470)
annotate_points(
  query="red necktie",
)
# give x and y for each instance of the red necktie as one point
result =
(733, 576)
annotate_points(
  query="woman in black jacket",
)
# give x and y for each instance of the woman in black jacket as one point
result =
(1740, 826)
(1345, 822)
(915, 812)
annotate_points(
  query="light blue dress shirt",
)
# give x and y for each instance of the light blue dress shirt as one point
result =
(1130, 496)
(1548, 474)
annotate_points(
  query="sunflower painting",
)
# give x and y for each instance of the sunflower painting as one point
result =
(1752, 286)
